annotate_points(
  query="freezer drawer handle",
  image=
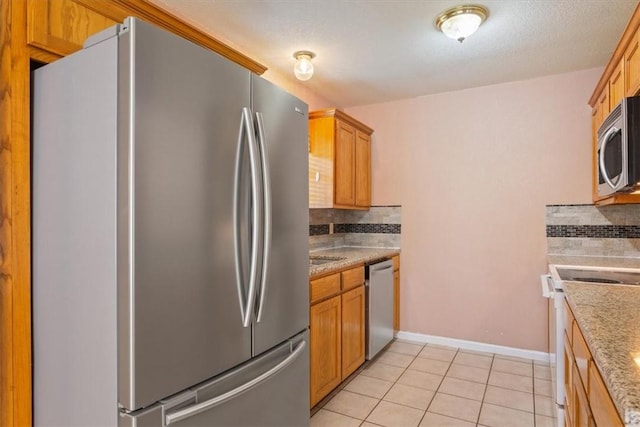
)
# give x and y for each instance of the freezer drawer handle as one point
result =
(204, 406)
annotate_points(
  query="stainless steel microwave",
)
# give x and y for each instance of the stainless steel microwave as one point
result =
(618, 149)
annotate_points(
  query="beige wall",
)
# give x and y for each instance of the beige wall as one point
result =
(473, 171)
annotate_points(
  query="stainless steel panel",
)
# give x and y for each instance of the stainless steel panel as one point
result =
(285, 311)
(270, 390)
(280, 400)
(74, 239)
(379, 312)
(180, 315)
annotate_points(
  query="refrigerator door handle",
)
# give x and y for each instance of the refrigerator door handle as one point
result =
(242, 296)
(266, 182)
(206, 405)
(248, 130)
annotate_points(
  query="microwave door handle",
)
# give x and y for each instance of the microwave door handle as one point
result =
(603, 147)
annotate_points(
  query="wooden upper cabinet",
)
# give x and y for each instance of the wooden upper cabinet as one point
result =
(620, 78)
(632, 66)
(345, 168)
(616, 85)
(56, 28)
(363, 169)
(339, 161)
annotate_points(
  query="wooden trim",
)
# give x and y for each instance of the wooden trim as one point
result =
(15, 219)
(619, 199)
(38, 34)
(143, 9)
(341, 115)
(43, 56)
(627, 35)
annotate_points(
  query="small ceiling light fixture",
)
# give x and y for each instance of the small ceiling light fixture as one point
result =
(460, 22)
(303, 68)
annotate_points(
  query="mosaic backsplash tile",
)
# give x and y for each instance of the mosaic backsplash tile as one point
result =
(609, 231)
(595, 231)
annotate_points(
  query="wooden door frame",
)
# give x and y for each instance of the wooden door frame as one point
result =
(15, 217)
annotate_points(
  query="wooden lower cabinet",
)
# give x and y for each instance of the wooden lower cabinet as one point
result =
(325, 347)
(587, 400)
(337, 332)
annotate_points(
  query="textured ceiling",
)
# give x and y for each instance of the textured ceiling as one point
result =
(381, 50)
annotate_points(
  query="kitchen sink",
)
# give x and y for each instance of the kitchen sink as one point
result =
(595, 275)
(324, 259)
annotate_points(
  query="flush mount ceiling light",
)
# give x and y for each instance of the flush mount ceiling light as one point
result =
(460, 22)
(303, 68)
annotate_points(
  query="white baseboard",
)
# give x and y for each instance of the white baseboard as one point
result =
(474, 345)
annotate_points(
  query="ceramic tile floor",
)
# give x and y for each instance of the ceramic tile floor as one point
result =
(412, 384)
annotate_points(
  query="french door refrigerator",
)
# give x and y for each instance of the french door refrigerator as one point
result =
(170, 238)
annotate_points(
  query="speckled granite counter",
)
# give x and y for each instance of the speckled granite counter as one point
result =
(609, 318)
(594, 261)
(351, 255)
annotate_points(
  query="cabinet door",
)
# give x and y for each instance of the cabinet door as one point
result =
(352, 330)
(604, 411)
(603, 105)
(363, 169)
(568, 379)
(61, 26)
(325, 347)
(632, 66)
(582, 355)
(345, 164)
(581, 412)
(616, 85)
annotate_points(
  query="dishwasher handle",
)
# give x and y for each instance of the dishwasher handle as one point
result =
(381, 269)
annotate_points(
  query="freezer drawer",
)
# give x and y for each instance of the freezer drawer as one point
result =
(270, 390)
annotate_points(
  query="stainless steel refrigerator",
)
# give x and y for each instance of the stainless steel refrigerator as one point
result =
(170, 238)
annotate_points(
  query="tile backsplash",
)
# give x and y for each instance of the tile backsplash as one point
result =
(609, 231)
(380, 226)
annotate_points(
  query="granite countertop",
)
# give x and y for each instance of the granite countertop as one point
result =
(594, 261)
(350, 255)
(609, 318)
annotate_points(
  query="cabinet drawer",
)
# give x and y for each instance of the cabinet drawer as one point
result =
(352, 278)
(582, 356)
(568, 321)
(324, 287)
(602, 407)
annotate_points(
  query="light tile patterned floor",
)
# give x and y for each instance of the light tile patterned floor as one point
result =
(411, 385)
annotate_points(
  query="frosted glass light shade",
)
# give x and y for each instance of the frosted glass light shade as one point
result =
(303, 68)
(461, 26)
(460, 22)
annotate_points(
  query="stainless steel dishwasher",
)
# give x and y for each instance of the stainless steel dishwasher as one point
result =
(379, 310)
